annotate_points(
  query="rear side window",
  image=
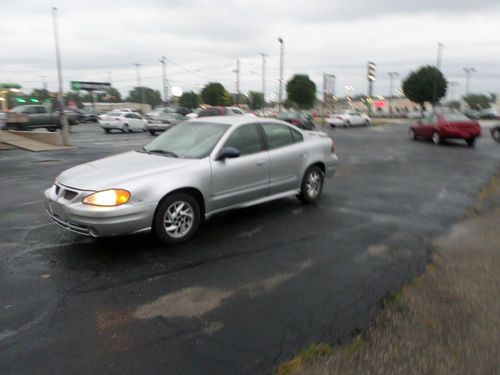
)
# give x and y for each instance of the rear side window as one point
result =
(278, 135)
(246, 139)
(297, 136)
(41, 110)
(30, 110)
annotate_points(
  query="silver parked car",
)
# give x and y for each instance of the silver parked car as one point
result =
(194, 170)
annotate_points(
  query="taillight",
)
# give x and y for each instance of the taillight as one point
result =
(295, 122)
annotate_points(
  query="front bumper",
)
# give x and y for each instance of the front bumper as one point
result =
(64, 206)
(157, 126)
(460, 133)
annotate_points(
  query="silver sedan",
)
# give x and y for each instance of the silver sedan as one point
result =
(196, 169)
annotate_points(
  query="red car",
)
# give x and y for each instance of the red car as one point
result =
(441, 126)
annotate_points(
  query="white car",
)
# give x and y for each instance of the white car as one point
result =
(347, 119)
(126, 122)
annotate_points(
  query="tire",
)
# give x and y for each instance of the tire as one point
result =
(496, 134)
(312, 184)
(347, 124)
(470, 142)
(366, 123)
(436, 138)
(107, 131)
(183, 227)
(126, 129)
(51, 129)
(152, 132)
(413, 135)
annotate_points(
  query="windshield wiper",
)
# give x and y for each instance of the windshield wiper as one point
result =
(165, 152)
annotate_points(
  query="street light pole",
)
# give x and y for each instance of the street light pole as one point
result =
(139, 83)
(391, 76)
(237, 82)
(439, 53)
(264, 76)
(60, 98)
(282, 52)
(468, 72)
(163, 62)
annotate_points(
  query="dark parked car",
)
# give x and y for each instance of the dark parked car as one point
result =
(221, 111)
(158, 122)
(299, 119)
(89, 115)
(495, 133)
(439, 127)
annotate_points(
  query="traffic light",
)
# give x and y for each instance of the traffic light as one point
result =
(34, 100)
(372, 71)
(20, 100)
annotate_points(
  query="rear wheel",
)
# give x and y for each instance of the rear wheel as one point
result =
(347, 124)
(413, 135)
(107, 131)
(496, 134)
(312, 184)
(152, 132)
(177, 218)
(126, 129)
(470, 142)
(436, 138)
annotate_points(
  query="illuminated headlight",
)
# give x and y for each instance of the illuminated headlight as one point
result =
(108, 198)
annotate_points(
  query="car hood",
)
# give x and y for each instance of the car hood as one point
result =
(115, 171)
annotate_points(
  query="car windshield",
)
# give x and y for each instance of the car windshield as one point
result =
(191, 140)
(455, 117)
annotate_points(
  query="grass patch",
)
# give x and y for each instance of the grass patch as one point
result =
(305, 355)
(356, 345)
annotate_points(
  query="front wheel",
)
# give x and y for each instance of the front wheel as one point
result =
(312, 184)
(436, 138)
(470, 142)
(152, 132)
(177, 219)
(107, 131)
(125, 129)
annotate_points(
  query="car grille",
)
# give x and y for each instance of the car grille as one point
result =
(80, 229)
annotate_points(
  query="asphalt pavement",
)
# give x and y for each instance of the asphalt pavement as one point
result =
(254, 285)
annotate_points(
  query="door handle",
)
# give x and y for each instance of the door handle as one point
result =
(261, 163)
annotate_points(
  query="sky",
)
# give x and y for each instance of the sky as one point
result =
(201, 39)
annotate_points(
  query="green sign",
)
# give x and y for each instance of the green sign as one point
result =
(90, 86)
(10, 86)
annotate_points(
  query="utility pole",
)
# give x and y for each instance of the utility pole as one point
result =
(282, 62)
(139, 83)
(44, 84)
(439, 53)
(452, 85)
(372, 76)
(264, 76)
(60, 98)
(468, 72)
(237, 71)
(163, 62)
(391, 76)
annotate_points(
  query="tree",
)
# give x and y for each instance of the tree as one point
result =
(151, 97)
(215, 94)
(189, 99)
(255, 100)
(112, 95)
(41, 94)
(478, 101)
(301, 90)
(425, 85)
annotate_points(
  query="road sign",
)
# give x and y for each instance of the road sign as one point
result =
(90, 86)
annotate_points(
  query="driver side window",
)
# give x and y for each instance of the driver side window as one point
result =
(246, 139)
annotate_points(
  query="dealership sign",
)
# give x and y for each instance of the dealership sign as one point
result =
(90, 86)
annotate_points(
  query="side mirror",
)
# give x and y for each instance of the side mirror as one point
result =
(228, 153)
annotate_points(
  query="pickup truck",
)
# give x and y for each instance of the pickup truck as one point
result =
(28, 117)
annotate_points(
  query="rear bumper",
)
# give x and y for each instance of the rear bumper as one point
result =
(95, 221)
(331, 165)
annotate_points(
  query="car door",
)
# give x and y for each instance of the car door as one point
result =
(287, 154)
(429, 123)
(244, 178)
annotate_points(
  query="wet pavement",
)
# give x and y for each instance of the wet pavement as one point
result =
(254, 285)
